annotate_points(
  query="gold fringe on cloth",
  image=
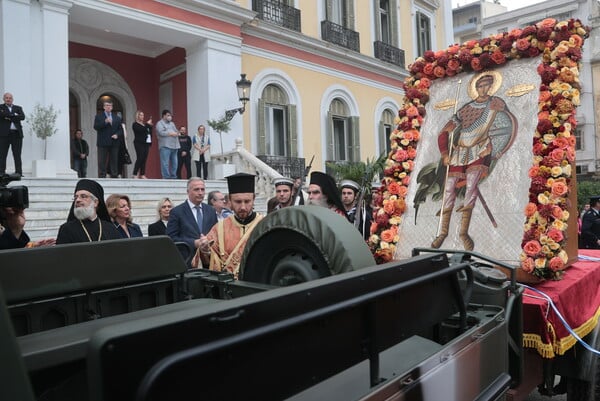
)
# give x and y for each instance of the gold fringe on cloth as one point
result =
(560, 346)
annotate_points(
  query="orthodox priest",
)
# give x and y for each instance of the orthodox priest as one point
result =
(323, 191)
(88, 219)
(223, 247)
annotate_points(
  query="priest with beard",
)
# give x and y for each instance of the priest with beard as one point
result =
(222, 248)
(323, 191)
(88, 219)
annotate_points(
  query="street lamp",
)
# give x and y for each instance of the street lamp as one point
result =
(243, 89)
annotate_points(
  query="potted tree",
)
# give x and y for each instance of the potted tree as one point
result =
(221, 170)
(43, 124)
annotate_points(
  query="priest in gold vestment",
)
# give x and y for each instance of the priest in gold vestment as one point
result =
(222, 248)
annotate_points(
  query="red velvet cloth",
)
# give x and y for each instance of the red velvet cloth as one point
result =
(576, 296)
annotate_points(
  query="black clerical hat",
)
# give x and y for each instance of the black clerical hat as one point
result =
(95, 189)
(240, 183)
(328, 187)
(594, 199)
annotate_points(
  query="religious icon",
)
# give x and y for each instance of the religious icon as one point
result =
(477, 135)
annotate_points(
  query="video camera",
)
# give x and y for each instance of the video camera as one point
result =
(17, 197)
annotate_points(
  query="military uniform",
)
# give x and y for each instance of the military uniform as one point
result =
(590, 228)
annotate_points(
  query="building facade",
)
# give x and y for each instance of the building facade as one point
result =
(588, 146)
(326, 74)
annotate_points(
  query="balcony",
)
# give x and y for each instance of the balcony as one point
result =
(284, 165)
(389, 53)
(340, 36)
(276, 12)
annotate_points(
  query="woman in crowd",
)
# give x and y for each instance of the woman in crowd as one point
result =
(164, 210)
(201, 152)
(119, 209)
(142, 140)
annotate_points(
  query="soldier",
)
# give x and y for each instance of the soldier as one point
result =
(283, 194)
(590, 226)
(359, 215)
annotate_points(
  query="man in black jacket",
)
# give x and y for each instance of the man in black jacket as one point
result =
(108, 126)
(11, 133)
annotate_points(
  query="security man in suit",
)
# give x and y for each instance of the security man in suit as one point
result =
(109, 128)
(11, 133)
(590, 227)
(192, 219)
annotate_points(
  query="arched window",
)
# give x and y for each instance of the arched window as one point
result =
(276, 123)
(386, 126)
(343, 142)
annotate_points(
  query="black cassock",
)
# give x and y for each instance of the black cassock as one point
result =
(73, 231)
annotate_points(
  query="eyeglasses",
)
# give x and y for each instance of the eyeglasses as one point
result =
(83, 197)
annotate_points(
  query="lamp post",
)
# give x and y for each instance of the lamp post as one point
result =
(243, 89)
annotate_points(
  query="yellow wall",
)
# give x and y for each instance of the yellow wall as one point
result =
(312, 86)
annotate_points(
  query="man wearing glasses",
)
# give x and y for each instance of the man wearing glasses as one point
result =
(217, 200)
(88, 219)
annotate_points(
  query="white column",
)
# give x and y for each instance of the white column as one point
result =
(212, 67)
(53, 68)
(16, 64)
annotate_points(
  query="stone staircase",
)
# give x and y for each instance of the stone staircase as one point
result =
(51, 198)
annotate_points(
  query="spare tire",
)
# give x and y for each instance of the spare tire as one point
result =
(302, 243)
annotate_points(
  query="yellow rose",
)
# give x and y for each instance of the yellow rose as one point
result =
(542, 199)
(554, 246)
(544, 239)
(563, 86)
(563, 256)
(559, 225)
(404, 142)
(548, 138)
(540, 263)
(556, 171)
(565, 215)
(394, 221)
(384, 245)
(546, 250)
(522, 256)
(567, 170)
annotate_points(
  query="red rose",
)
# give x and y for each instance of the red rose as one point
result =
(506, 44)
(538, 149)
(382, 219)
(498, 57)
(485, 60)
(544, 126)
(533, 52)
(543, 34)
(475, 64)
(429, 56)
(465, 57)
(557, 154)
(453, 65)
(528, 30)
(442, 60)
(428, 69)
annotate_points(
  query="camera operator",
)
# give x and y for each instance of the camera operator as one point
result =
(12, 234)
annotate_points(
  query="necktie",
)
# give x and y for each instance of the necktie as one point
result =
(199, 217)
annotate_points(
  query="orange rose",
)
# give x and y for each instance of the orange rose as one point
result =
(534, 171)
(387, 235)
(406, 180)
(564, 106)
(544, 97)
(567, 75)
(439, 71)
(546, 23)
(394, 188)
(428, 69)
(577, 40)
(561, 142)
(388, 207)
(400, 206)
(557, 155)
(559, 188)
(412, 152)
(412, 112)
(556, 235)
(523, 44)
(403, 191)
(530, 209)
(527, 265)
(556, 264)
(384, 255)
(532, 248)
(557, 212)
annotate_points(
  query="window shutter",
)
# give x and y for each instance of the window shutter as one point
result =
(292, 130)
(355, 145)
(328, 9)
(393, 20)
(349, 14)
(382, 139)
(329, 138)
(261, 148)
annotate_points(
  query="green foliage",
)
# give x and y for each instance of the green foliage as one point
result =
(362, 172)
(585, 190)
(43, 121)
(220, 125)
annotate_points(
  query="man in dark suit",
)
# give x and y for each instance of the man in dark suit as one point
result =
(11, 133)
(590, 227)
(110, 131)
(186, 219)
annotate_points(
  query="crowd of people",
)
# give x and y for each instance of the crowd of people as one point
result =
(215, 231)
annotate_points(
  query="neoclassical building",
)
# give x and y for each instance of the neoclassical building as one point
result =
(326, 74)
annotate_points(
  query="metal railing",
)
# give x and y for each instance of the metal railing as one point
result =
(389, 53)
(337, 34)
(277, 13)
